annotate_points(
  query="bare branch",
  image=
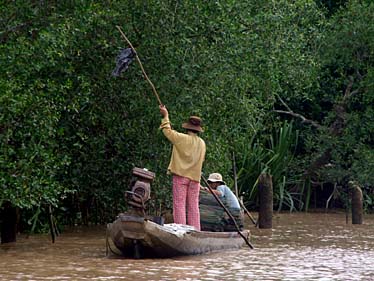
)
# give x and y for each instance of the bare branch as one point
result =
(286, 106)
(303, 119)
(359, 75)
(4, 35)
(297, 115)
(347, 92)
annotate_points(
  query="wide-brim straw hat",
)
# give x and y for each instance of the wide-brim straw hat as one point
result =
(216, 177)
(193, 123)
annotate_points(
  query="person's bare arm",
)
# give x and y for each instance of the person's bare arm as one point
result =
(204, 188)
(164, 111)
(165, 122)
(216, 192)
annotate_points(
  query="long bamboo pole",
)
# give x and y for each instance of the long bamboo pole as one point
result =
(247, 212)
(140, 64)
(228, 212)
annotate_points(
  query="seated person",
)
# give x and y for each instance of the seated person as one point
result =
(215, 218)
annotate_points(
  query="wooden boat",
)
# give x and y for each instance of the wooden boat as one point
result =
(138, 237)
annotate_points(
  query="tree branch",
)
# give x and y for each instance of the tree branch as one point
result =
(285, 104)
(347, 92)
(303, 119)
(5, 34)
(296, 115)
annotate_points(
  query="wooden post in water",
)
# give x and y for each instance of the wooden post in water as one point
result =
(357, 203)
(265, 191)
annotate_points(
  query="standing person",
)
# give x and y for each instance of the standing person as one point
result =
(186, 162)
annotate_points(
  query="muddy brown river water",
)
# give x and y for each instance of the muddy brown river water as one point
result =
(312, 246)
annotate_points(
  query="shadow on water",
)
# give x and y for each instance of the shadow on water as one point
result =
(313, 246)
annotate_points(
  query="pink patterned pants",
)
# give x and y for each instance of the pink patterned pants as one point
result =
(186, 194)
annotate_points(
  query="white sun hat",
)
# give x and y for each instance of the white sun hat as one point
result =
(216, 177)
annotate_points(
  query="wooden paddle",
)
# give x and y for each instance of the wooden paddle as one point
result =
(227, 212)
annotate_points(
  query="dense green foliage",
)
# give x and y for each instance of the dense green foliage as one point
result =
(70, 133)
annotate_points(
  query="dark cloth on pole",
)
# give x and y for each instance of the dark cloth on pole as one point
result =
(123, 60)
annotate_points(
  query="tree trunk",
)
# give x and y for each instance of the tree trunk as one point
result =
(9, 225)
(265, 187)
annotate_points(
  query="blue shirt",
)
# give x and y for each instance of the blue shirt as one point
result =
(229, 196)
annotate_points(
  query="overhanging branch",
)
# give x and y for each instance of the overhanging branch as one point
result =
(299, 116)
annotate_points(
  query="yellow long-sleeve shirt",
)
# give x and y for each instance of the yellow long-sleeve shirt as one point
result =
(188, 152)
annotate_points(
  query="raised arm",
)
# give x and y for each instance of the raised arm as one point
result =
(164, 111)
